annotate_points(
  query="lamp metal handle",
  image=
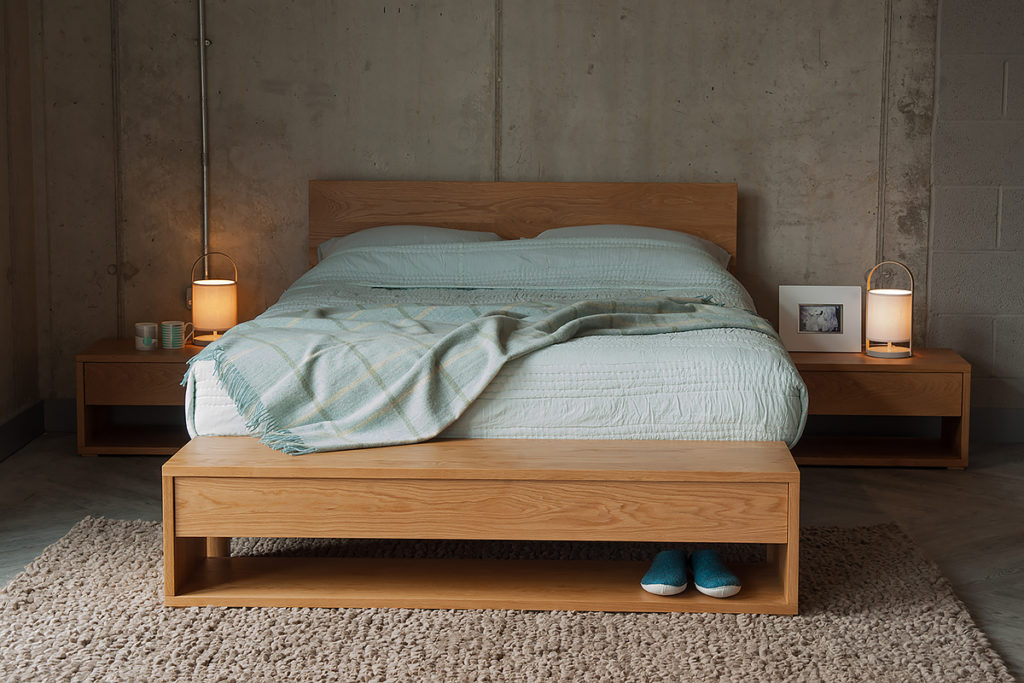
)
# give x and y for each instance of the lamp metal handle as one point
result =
(895, 263)
(233, 264)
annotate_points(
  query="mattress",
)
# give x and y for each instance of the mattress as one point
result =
(724, 383)
(707, 385)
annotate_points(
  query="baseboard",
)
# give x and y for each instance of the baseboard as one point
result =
(20, 429)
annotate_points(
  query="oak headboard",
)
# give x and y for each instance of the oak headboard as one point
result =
(514, 210)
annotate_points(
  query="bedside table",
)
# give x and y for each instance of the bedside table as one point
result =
(120, 391)
(932, 382)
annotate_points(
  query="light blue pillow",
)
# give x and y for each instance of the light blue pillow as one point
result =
(639, 232)
(400, 235)
(548, 264)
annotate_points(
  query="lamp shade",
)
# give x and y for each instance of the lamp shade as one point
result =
(889, 315)
(888, 319)
(214, 303)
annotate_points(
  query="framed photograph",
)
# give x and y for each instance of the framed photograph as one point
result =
(820, 318)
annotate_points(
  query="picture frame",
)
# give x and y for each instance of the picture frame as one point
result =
(823, 318)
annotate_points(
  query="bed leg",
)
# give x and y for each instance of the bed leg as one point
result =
(218, 546)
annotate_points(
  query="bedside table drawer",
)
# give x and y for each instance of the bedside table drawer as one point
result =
(133, 384)
(884, 393)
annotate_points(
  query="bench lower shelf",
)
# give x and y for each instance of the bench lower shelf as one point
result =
(611, 586)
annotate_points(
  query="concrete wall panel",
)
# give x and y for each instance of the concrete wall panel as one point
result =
(781, 98)
(784, 98)
(80, 183)
(982, 26)
(905, 149)
(9, 395)
(158, 97)
(19, 380)
(336, 90)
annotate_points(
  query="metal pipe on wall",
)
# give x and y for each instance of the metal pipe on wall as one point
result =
(204, 157)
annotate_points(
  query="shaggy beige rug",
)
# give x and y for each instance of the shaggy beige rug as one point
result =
(872, 609)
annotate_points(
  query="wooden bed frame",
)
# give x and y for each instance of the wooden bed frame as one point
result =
(514, 210)
(216, 488)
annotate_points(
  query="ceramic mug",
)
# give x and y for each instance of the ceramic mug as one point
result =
(145, 336)
(173, 333)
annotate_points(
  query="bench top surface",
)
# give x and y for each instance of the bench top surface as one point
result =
(513, 459)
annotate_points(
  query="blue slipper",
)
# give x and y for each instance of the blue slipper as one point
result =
(667, 575)
(711, 577)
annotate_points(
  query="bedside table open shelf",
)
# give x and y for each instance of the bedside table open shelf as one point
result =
(131, 402)
(931, 383)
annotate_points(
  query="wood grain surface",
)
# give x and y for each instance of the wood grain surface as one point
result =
(547, 490)
(461, 584)
(134, 384)
(923, 360)
(514, 210)
(512, 459)
(124, 351)
(546, 510)
(884, 393)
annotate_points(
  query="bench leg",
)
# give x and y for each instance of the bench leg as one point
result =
(218, 546)
(785, 557)
(181, 557)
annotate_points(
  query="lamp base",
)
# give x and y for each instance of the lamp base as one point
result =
(204, 339)
(887, 350)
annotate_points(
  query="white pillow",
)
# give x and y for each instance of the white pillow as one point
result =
(639, 232)
(400, 235)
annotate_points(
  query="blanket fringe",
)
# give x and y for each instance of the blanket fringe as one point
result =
(258, 419)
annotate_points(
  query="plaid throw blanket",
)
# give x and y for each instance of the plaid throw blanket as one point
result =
(359, 375)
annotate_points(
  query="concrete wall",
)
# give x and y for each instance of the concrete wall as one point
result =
(977, 245)
(19, 385)
(819, 109)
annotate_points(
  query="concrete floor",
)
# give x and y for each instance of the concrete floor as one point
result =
(969, 522)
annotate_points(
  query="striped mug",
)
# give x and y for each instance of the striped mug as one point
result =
(173, 333)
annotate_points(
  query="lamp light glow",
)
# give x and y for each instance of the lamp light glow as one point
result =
(214, 303)
(888, 328)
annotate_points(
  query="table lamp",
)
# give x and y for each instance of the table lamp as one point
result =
(888, 319)
(214, 303)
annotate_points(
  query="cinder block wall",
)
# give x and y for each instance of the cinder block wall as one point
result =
(976, 283)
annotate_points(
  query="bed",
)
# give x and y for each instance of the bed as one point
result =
(744, 434)
(731, 384)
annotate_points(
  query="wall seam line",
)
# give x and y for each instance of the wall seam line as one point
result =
(883, 133)
(497, 89)
(999, 220)
(930, 242)
(115, 98)
(1006, 85)
(44, 215)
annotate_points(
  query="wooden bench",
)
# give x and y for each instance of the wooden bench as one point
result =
(216, 488)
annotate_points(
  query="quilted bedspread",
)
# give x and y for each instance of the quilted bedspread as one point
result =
(326, 370)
